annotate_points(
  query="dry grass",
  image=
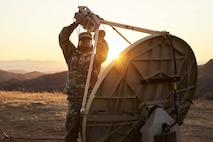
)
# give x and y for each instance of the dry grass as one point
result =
(33, 115)
(42, 115)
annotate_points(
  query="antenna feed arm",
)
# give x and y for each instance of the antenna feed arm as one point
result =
(91, 21)
(129, 27)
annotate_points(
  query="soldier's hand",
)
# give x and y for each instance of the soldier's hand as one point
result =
(101, 35)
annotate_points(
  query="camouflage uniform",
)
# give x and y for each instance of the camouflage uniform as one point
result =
(78, 64)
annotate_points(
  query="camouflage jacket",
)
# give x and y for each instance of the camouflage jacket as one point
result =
(78, 63)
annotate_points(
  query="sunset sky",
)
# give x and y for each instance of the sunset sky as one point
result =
(29, 28)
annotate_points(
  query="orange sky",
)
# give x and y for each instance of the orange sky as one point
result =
(29, 29)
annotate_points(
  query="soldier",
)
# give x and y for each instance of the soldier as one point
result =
(78, 60)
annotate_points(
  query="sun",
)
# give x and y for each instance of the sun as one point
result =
(112, 55)
(115, 48)
(116, 45)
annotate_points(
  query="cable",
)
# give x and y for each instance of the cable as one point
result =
(22, 138)
(136, 133)
(176, 96)
(5, 136)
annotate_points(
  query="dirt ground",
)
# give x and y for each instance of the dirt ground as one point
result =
(40, 117)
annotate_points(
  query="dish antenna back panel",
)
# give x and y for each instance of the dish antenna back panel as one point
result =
(141, 78)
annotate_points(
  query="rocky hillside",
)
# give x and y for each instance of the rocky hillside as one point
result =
(205, 80)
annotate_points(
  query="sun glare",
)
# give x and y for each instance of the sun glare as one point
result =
(112, 55)
(116, 46)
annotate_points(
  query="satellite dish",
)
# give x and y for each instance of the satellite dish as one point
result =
(139, 79)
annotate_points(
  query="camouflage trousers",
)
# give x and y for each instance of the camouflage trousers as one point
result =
(73, 119)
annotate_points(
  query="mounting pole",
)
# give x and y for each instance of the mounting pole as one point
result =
(84, 101)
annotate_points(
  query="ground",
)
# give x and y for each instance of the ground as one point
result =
(40, 117)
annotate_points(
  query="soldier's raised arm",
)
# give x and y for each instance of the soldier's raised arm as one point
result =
(66, 45)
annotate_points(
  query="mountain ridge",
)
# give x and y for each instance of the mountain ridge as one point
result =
(5, 75)
(38, 82)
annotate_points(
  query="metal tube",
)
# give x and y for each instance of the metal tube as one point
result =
(121, 35)
(89, 74)
(128, 27)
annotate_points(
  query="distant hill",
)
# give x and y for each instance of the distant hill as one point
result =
(38, 82)
(32, 65)
(6, 76)
(205, 80)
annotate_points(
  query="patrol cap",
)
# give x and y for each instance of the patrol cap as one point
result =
(85, 35)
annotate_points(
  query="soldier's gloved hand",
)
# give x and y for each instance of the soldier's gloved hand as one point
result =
(101, 35)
